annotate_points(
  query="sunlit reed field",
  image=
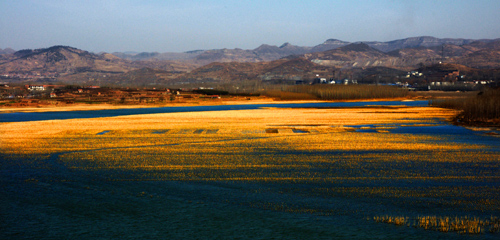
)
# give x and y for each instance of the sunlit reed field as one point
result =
(323, 162)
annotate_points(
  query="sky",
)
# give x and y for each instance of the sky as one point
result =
(178, 26)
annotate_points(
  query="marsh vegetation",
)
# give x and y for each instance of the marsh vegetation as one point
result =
(336, 92)
(348, 170)
(483, 108)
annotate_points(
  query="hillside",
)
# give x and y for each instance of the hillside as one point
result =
(7, 51)
(145, 77)
(477, 54)
(59, 61)
(416, 42)
(402, 53)
(225, 72)
(158, 56)
(347, 60)
(68, 64)
(267, 52)
(352, 55)
(348, 53)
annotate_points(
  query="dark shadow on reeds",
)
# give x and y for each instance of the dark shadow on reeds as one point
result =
(287, 95)
(272, 130)
(161, 131)
(198, 131)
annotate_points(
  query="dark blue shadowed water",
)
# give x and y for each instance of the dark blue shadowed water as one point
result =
(39, 116)
(433, 130)
(103, 132)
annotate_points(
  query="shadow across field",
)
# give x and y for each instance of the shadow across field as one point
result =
(265, 173)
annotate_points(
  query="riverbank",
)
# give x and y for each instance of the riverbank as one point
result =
(105, 106)
(35, 105)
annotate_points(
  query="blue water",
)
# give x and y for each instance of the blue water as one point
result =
(103, 132)
(38, 116)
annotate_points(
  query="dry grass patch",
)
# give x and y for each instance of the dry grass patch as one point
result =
(465, 225)
(138, 130)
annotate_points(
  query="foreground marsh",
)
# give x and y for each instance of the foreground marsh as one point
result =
(282, 173)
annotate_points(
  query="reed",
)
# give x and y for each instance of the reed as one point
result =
(286, 95)
(484, 107)
(464, 224)
(337, 92)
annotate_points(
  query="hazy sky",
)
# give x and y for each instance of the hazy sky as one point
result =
(177, 26)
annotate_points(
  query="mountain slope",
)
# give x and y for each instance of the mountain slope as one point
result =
(267, 52)
(415, 42)
(61, 60)
(352, 55)
(73, 65)
(7, 51)
(329, 45)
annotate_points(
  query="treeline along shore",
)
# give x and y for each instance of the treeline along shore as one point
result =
(476, 108)
(480, 109)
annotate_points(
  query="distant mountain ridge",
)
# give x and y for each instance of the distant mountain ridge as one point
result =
(59, 60)
(415, 42)
(267, 52)
(7, 51)
(71, 64)
(477, 54)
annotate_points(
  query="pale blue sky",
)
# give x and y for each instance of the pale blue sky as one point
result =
(177, 26)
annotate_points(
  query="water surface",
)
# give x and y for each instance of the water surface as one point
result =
(39, 116)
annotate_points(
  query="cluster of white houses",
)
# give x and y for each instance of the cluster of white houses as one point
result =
(482, 82)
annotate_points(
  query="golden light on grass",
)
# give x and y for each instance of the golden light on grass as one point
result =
(131, 131)
(318, 146)
(465, 224)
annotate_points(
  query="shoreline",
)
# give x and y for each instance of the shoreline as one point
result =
(48, 106)
(475, 126)
(106, 106)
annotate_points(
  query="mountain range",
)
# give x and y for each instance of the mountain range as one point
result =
(269, 52)
(68, 64)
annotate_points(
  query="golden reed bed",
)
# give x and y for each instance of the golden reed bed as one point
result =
(139, 130)
(271, 145)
